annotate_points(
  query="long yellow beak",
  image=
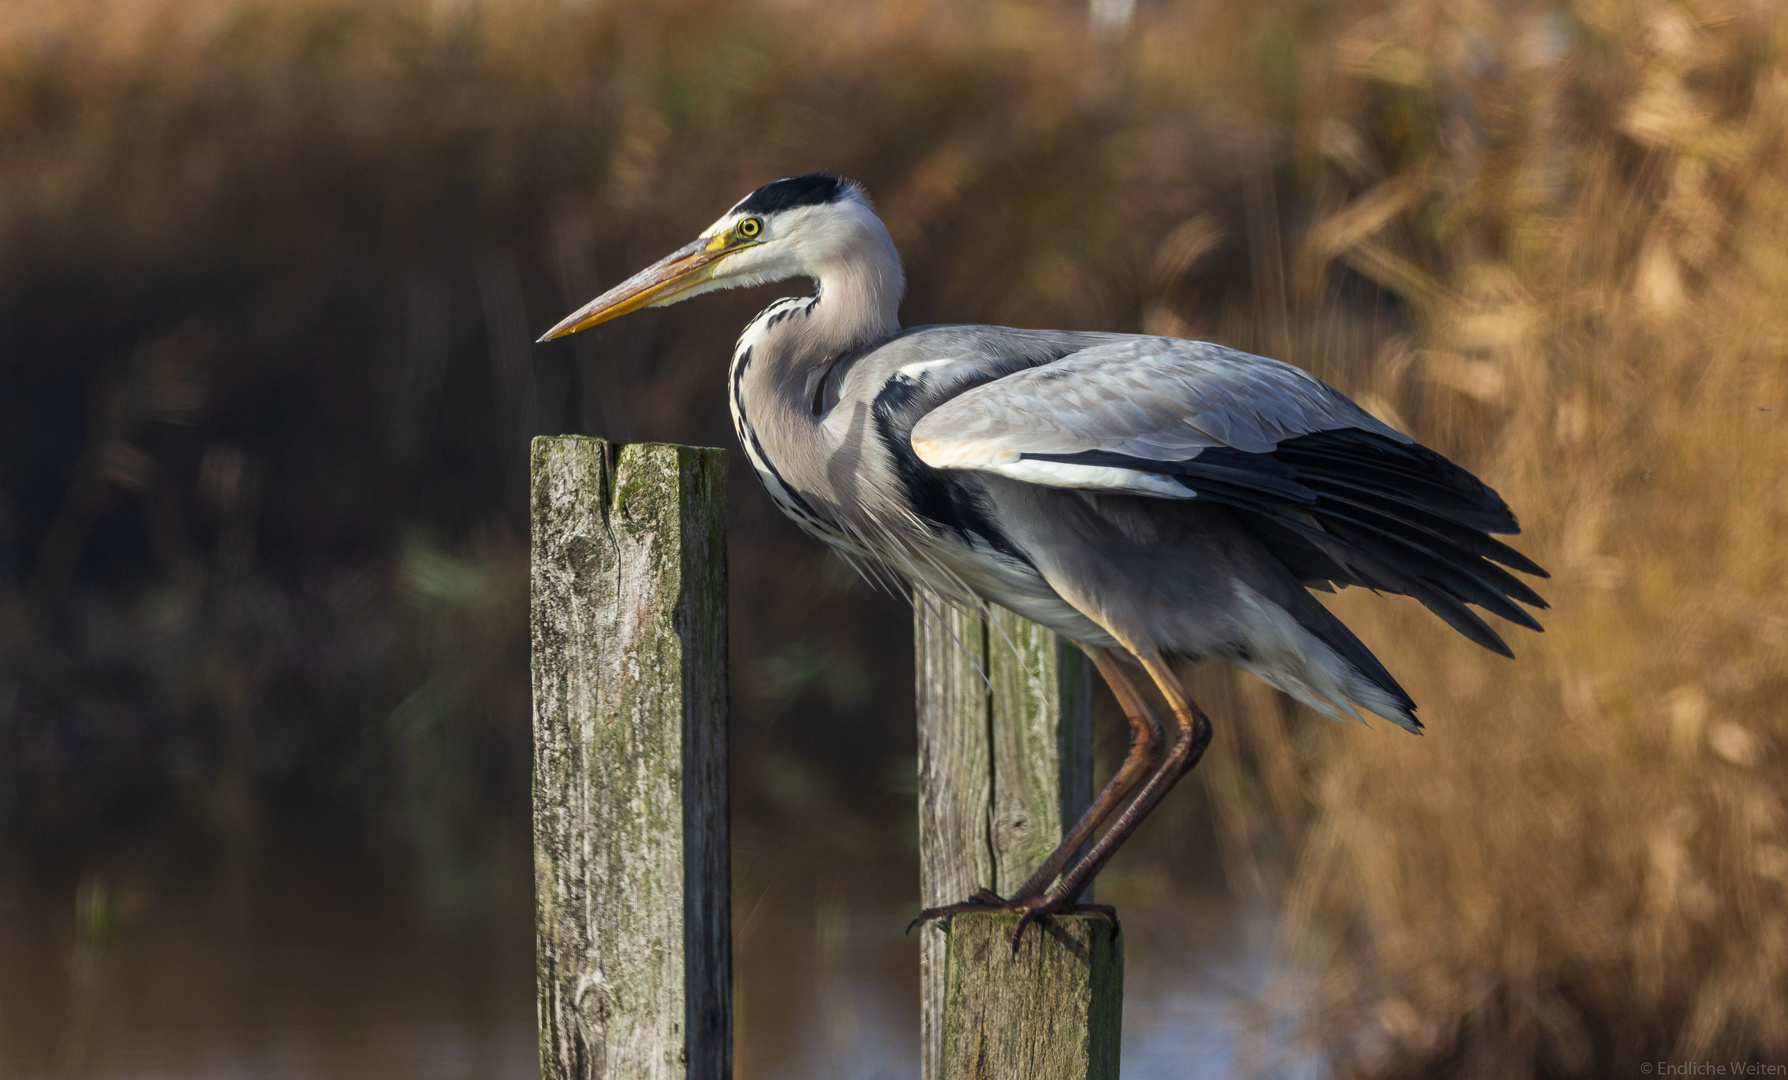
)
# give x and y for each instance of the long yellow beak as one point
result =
(660, 283)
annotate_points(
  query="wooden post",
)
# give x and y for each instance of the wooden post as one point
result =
(1053, 1012)
(1005, 767)
(633, 911)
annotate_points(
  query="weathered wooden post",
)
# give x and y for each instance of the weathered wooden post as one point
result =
(633, 911)
(1053, 1012)
(1005, 767)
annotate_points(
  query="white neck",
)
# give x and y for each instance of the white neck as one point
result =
(786, 352)
(858, 284)
(847, 252)
(780, 391)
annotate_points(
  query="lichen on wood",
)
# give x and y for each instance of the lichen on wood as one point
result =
(1005, 765)
(633, 912)
(1053, 1011)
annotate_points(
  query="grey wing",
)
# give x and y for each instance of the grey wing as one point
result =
(1132, 401)
(931, 364)
(1337, 495)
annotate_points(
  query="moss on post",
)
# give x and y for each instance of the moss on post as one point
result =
(1005, 767)
(633, 912)
(1052, 1012)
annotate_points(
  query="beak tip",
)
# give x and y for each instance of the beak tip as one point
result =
(664, 282)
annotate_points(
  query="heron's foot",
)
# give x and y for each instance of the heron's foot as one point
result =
(979, 900)
(1042, 907)
(1028, 909)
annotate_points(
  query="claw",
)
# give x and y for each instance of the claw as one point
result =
(1038, 911)
(1028, 911)
(982, 900)
(1030, 915)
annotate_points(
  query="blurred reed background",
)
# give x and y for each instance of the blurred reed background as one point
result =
(269, 271)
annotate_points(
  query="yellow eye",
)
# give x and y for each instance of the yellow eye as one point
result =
(750, 227)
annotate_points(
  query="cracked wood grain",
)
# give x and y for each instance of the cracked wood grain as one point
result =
(1005, 766)
(1053, 1012)
(633, 911)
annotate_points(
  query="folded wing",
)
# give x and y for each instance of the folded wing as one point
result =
(1337, 495)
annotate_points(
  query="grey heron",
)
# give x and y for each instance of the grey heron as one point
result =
(1151, 499)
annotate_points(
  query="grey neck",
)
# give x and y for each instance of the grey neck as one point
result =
(785, 352)
(785, 355)
(855, 301)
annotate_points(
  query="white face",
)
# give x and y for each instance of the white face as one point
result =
(788, 243)
(767, 250)
(751, 249)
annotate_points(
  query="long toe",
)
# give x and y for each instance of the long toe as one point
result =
(1099, 909)
(1042, 907)
(982, 900)
(1028, 910)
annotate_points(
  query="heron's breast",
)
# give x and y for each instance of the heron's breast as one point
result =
(766, 447)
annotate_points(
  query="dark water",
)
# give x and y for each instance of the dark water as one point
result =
(307, 960)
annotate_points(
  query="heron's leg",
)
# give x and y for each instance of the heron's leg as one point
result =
(1146, 741)
(1147, 737)
(1192, 736)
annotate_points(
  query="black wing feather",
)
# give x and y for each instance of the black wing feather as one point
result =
(1353, 507)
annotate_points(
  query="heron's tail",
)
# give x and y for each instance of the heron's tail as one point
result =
(1356, 508)
(1304, 650)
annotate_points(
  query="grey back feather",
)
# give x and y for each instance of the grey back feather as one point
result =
(1146, 397)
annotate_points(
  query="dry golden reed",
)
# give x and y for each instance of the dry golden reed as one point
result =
(1582, 868)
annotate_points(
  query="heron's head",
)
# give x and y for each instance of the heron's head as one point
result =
(795, 227)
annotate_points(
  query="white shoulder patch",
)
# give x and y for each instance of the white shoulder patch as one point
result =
(963, 453)
(986, 456)
(918, 368)
(1094, 478)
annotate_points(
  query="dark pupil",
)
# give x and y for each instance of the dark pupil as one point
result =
(749, 228)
